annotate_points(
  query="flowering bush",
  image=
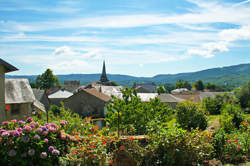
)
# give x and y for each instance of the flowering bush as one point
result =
(176, 146)
(90, 149)
(29, 143)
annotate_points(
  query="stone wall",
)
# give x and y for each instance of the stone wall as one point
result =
(2, 93)
(19, 111)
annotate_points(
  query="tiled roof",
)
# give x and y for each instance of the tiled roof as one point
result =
(18, 91)
(8, 66)
(97, 94)
(60, 94)
(145, 97)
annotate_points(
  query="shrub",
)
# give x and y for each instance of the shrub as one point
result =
(232, 117)
(88, 150)
(190, 115)
(29, 143)
(176, 146)
(75, 122)
(233, 147)
(134, 115)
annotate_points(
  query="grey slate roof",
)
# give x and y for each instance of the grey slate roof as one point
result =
(18, 91)
(39, 106)
(8, 66)
(151, 87)
(169, 98)
(60, 94)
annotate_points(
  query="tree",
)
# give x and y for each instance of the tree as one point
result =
(199, 85)
(187, 85)
(243, 95)
(190, 115)
(160, 89)
(132, 115)
(47, 80)
(179, 84)
(169, 87)
(210, 86)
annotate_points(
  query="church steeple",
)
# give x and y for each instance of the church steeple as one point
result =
(104, 77)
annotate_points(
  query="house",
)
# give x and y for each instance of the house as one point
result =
(180, 91)
(19, 98)
(4, 68)
(42, 97)
(170, 99)
(191, 97)
(145, 87)
(57, 97)
(88, 102)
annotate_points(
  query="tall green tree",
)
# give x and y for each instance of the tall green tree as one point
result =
(243, 95)
(199, 85)
(47, 80)
(179, 84)
(187, 85)
(210, 86)
(160, 89)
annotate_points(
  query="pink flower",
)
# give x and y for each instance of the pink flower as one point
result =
(51, 148)
(52, 129)
(27, 128)
(239, 147)
(45, 133)
(39, 130)
(32, 126)
(43, 155)
(46, 140)
(63, 137)
(29, 119)
(5, 122)
(236, 140)
(14, 120)
(36, 124)
(21, 122)
(229, 141)
(63, 122)
(5, 134)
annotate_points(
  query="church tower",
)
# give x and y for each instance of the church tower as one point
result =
(104, 77)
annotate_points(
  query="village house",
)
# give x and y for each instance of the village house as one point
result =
(19, 99)
(88, 102)
(57, 97)
(4, 68)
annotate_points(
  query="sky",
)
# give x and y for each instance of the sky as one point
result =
(134, 37)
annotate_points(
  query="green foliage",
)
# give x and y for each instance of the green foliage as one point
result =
(187, 85)
(176, 146)
(113, 83)
(179, 84)
(214, 105)
(47, 80)
(232, 117)
(169, 87)
(134, 114)
(199, 85)
(232, 147)
(190, 115)
(75, 122)
(160, 89)
(243, 94)
(210, 86)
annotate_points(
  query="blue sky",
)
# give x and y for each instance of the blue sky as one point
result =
(135, 37)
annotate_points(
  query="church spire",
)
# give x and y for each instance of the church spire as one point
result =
(104, 78)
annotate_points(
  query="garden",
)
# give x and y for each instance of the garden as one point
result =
(213, 132)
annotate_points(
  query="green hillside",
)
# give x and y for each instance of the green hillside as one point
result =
(230, 75)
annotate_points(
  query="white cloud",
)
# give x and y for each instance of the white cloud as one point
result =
(64, 51)
(208, 50)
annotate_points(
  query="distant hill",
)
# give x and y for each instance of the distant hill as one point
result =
(231, 75)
